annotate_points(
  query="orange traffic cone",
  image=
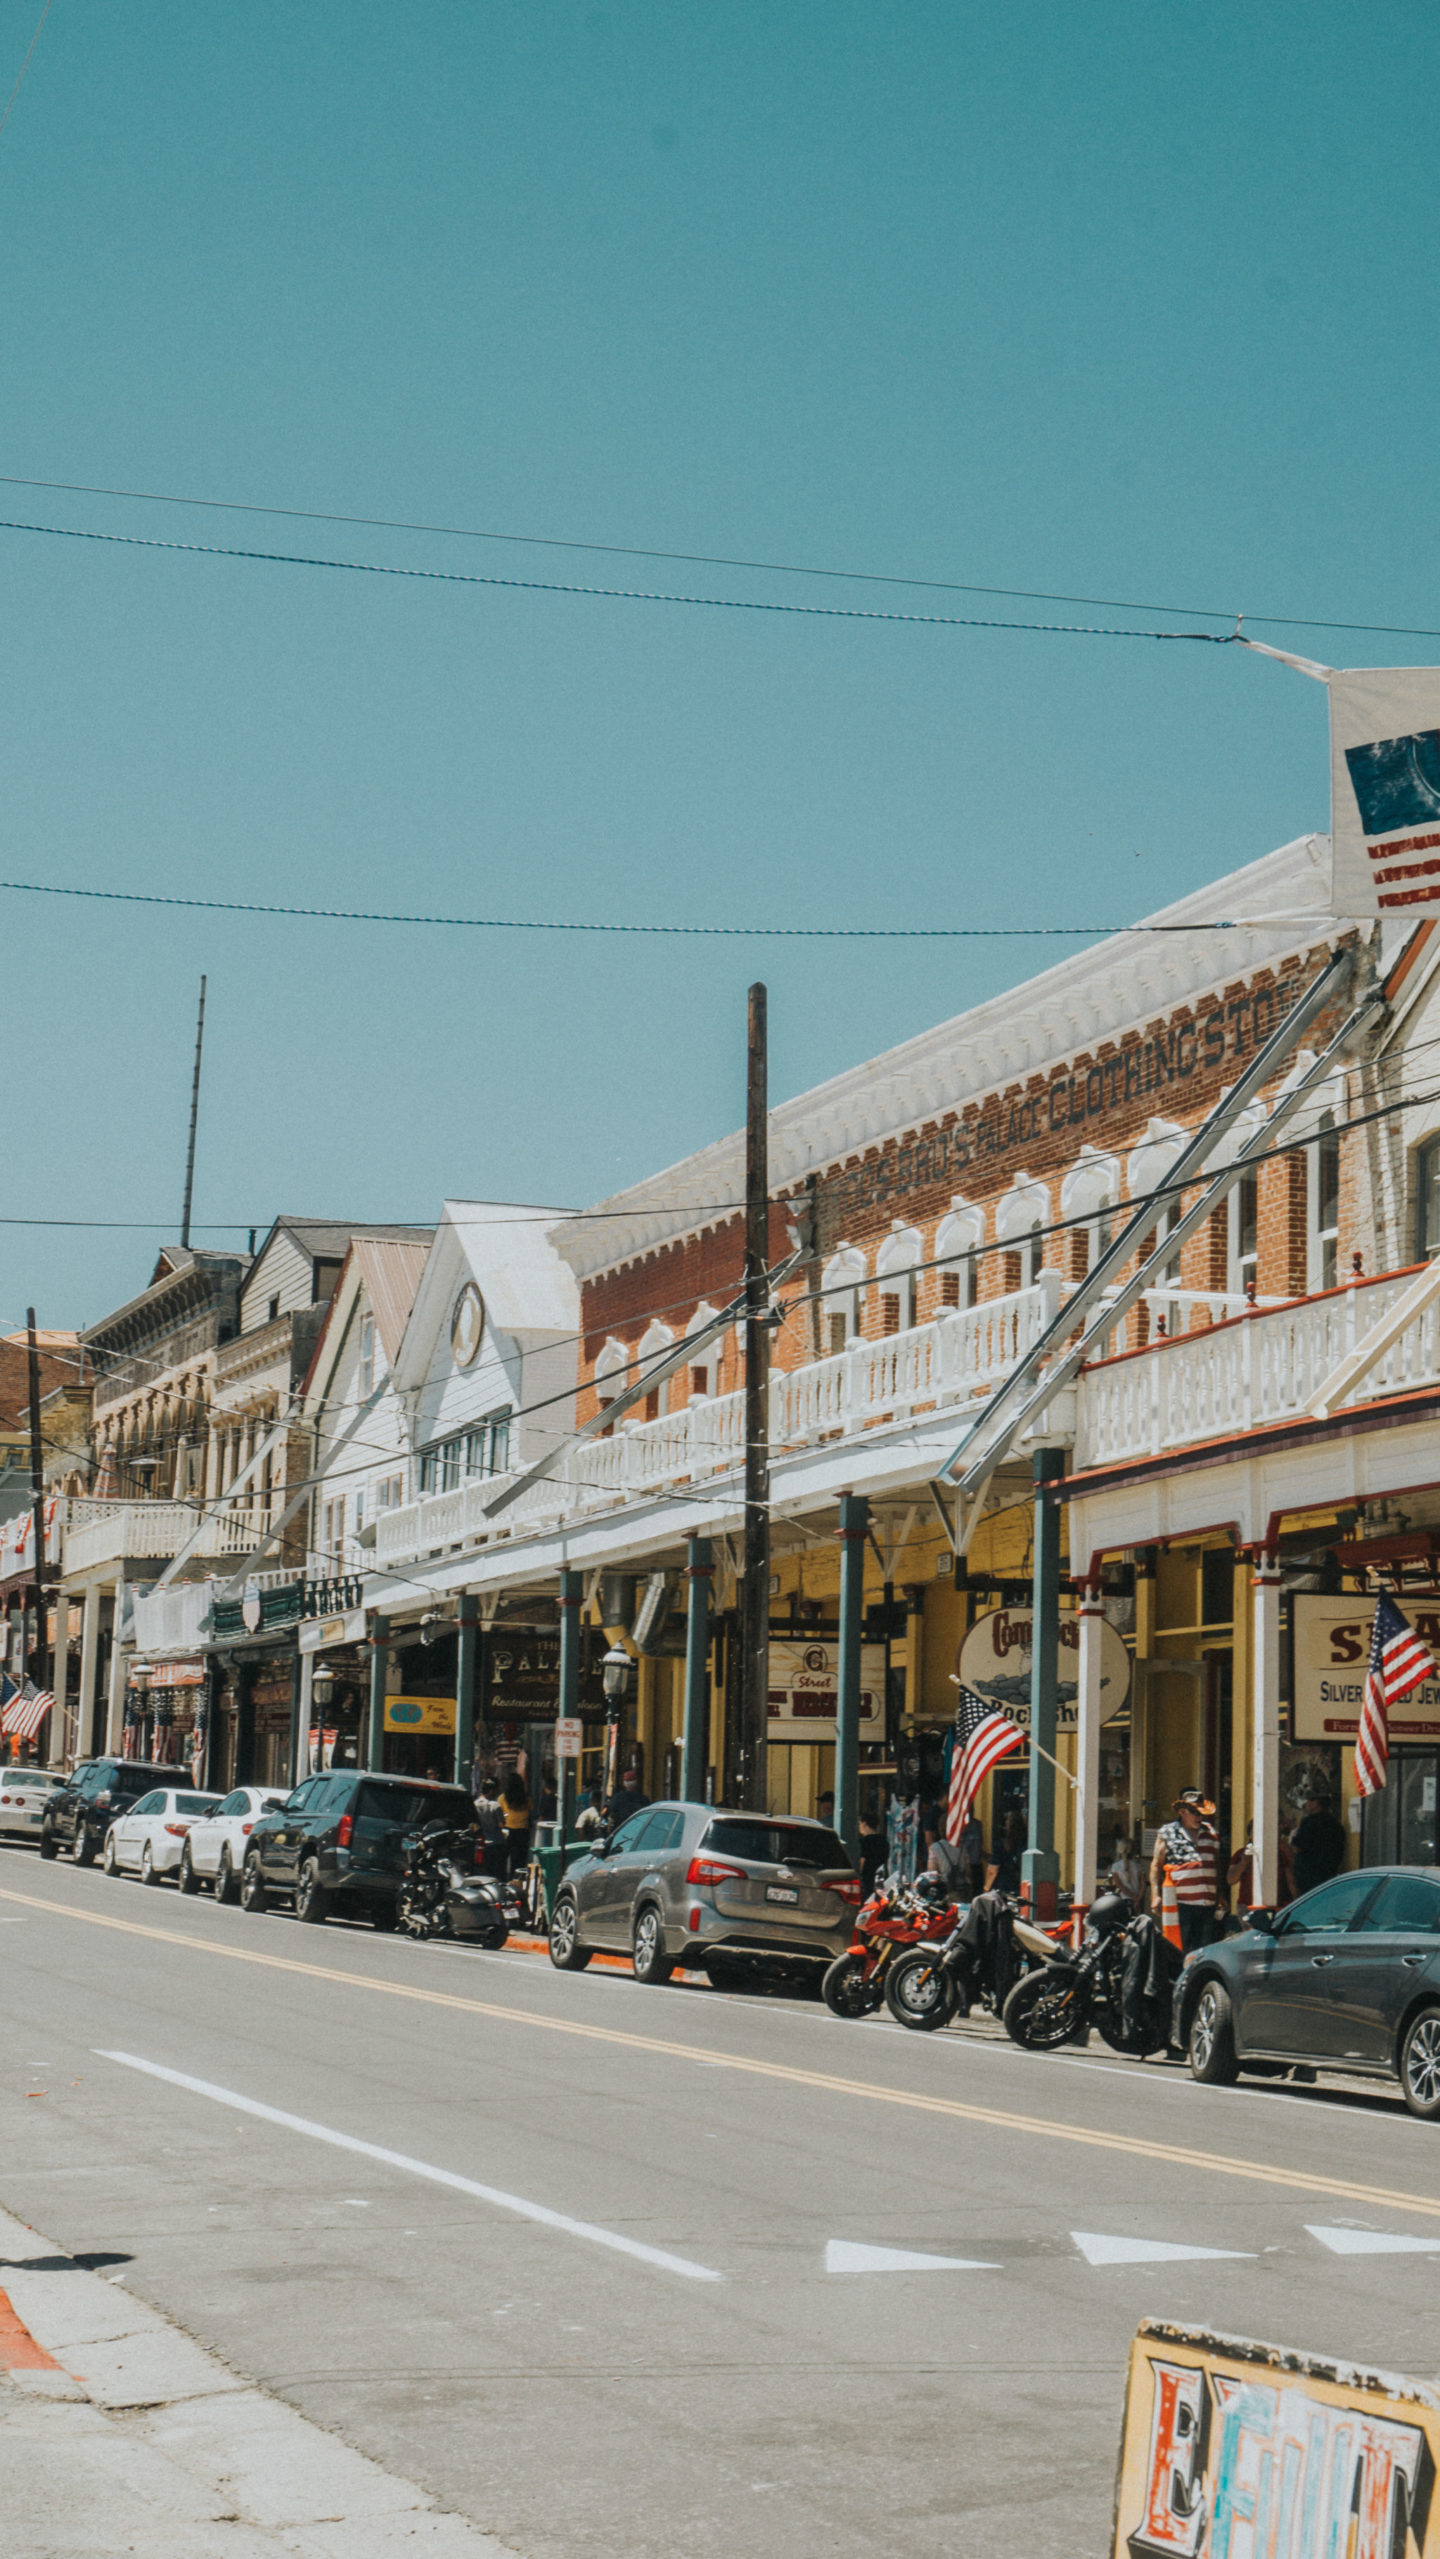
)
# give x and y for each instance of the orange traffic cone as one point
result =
(1170, 1912)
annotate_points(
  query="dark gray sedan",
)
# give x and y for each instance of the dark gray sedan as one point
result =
(1348, 1978)
(695, 1885)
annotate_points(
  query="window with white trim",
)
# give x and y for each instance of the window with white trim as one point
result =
(895, 1274)
(1323, 1206)
(842, 1287)
(467, 1456)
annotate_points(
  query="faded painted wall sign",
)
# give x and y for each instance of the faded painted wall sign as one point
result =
(1332, 1650)
(1232, 2450)
(994, 1660)
(804, 1681)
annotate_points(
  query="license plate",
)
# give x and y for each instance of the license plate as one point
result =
(781, 1892)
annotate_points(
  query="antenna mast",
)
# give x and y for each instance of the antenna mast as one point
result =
(194, 1114)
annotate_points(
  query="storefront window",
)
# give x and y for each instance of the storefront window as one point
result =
(1399, 1824)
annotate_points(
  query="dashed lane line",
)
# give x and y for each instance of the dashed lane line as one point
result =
(915, 2101)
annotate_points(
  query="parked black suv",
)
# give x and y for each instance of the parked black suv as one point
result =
(337, 1842)
(79, 1813)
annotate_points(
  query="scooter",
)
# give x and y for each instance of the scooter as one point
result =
(1120, 1980)
(441, 1897)
(896, 1917)
(974, 1966)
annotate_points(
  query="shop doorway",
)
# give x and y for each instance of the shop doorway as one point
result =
(1399, 1825)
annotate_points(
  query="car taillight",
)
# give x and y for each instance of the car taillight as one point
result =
(105, 1797)
(346, 1830)
(176, 1830)
(245, 1829)
(711, 1870)
(849, 1889)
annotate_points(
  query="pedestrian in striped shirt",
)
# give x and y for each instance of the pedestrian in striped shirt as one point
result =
(1189, 1845)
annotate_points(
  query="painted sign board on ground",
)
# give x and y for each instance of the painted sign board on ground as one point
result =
(804, 1685)
(569, 1736)
(1234, 2450)
(994, 1660)
(419, 1714)
(1332, 1649)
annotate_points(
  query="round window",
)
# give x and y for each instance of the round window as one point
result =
(467, 1325)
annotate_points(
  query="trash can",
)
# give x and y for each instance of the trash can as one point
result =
(552, 1857)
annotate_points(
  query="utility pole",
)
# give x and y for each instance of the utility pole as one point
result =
(755, 1583)
(194, 1115)
(37, 1505)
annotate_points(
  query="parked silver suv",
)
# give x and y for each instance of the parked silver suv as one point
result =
(698, 1886)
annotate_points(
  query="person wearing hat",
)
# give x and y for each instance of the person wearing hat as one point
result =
(1189, 1845)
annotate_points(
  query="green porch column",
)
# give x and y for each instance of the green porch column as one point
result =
(466, 1649)
(695, 1745)
(570, 1602)
(854, 1529)
(379, 1658)
(1040, 1866)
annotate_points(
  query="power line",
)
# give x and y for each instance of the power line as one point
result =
(609, 594)
(707, 559)
(25, 65)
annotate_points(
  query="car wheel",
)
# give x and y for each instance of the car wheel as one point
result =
(252, 1885)
(111, 1859)
(189, 1880)
(566, 1952)
(312, 1902)
(82, 1846)
(49, 1847)
(147, 1865)
(1420, 2065)
(226, 1887)
(1212, 2037)
(647, 1952)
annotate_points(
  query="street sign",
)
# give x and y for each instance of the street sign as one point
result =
(569, 1734)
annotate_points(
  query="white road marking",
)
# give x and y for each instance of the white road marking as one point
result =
(853, 2257)
(527, 2211)
(1100, 2250)
(1370, 2243)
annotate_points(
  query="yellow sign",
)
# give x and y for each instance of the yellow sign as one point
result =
(419, 1714)
(1231, 2450)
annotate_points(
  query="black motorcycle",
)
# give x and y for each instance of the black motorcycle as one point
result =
(974, 1967)
(1120, 1981)
(442, 1896)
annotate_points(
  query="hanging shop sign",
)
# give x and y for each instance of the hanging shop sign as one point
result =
(523, 1680)
(804, 1690)
(177, 1674)
(419, 1714)
(1228, 2447)
(1332, 1654)
(995, 1657)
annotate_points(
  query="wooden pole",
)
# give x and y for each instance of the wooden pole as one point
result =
(755, 1584)
(194, 1116)
(37, 1507)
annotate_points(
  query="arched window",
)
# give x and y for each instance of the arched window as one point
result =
(655, 1341)
(1090, 1190)
(958, 1239)
(705, 1363)
(1018, 1213)
(895, 1268)
(1147, 1169)
(842, 1284)
(610, 1372)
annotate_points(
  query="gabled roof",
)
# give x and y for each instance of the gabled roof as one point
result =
(327, 1239)
(1249, 919)
(506, 1247)
(391, 1270)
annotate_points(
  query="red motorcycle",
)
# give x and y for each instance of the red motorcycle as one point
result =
(895, 1918)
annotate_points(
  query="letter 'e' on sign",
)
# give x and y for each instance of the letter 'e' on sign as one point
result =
(1230, 2447)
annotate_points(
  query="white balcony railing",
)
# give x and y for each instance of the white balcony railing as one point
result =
(1264, 1367)
(948, 1363)
(98, 1533)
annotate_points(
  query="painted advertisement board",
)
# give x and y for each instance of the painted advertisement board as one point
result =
(1235, 2450)
(1332, 1648)
(419, 1714)
(994, 1660)
(804, 1683)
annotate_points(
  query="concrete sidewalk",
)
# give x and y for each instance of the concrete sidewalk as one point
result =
(119, 2434)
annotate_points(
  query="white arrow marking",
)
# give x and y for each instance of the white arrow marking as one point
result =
(854, 2257)
(1371, 2243)
(1101, 2250)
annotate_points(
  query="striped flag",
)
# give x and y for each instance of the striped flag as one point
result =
(982, 1736)
(27, 1712)
(1399, 1662)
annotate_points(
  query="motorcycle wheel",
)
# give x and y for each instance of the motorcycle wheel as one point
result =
(1042, 2013)
(919, 1992)
(411, 1917)
(848, 1990)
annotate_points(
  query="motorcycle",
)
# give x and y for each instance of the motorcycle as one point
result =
(441, 1897)
(896, 1917)
(974, 1966)
(1120, 1980)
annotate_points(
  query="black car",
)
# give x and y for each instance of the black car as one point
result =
(1348, 1978)
(79, 1813)
(337, 1843)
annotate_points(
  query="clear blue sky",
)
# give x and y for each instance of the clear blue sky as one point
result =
(1072, 294)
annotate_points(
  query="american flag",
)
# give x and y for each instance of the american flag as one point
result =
(982, 1736)
(27, 1711)
(1399, 1662)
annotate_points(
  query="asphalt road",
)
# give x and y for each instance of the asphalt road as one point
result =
(603, 2292)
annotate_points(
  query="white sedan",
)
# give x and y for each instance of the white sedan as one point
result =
(149, 1837)
(214, 1852)
(22, 1800)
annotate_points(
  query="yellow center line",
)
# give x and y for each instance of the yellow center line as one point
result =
(1000, 2119)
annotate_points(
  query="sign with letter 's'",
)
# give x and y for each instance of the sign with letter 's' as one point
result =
(1332, 1653)
(1233, 2450)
